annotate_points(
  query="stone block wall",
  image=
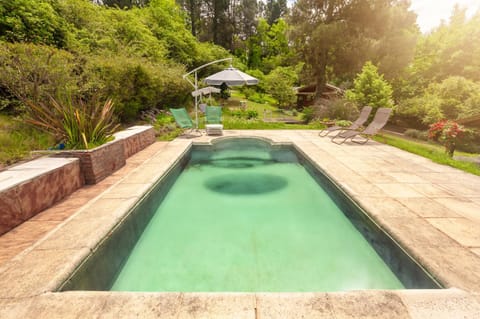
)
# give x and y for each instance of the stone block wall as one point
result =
(136, 139)
(36, 192)
(98, 163)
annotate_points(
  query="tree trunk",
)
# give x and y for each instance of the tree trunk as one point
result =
(320, 74)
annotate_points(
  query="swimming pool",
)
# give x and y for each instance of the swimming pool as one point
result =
(241, 215)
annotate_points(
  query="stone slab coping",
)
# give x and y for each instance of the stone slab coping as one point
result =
(131, 131)
(21, 173)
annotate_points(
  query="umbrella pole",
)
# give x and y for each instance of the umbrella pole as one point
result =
(196, 102)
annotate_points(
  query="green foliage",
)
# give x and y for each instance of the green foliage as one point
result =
(34, 21)
(343, 123)
(17, 140)
(417, 134)
(335, 38)
(453, 98)
(79, 124)
(269, 47)
(279, 84)
(308, 114)
(137, 84)
(246, 114)
(370, 89)
(35, 72)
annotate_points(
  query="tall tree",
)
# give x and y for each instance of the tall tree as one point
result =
(274, 10)
(335, 37)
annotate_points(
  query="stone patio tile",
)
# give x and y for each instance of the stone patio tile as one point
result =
(62, 211)
(95, 305)
(293, 305)
(217, 305)
(437, 178)
(440, 304)
(397, 190)
(426, 207)
(458, 188)
(461, 230)
(149, 173)
(125, 189)
(367, 304)
(431, 190)
(110, 208)
(403, 177)
(461, 206)
(385, 207)
(378, 177)
(416, 233)
(38, 271)
(79, 233)
(453, 266)
(22, 237)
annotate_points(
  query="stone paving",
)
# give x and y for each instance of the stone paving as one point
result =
(432, 210)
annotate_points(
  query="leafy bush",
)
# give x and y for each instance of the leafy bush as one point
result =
(34, 21)
(308, 114)
(453, 98)
(279, 84)
(343, 123)
(246, 114)
(79, 124)
(35, 72)
(370, 89)
(137, 84)
(419, 135)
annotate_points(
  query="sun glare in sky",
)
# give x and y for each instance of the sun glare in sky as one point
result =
(432, 12)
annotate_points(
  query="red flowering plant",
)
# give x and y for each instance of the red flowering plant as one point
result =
(446, 132)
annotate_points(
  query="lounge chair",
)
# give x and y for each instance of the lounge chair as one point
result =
(213, 120)
(378, 122)
(362, 118)
(183, 119)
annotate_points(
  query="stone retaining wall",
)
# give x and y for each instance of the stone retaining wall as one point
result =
(29, 188)
(24, 193)
(100, 162)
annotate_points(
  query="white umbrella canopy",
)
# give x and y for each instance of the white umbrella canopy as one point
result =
(231, 77)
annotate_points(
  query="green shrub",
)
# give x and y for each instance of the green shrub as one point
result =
(370, 89)
(420, 135)
(308, 114)
(34, 21)
(279, 84)
(343, 123)
(35, 72)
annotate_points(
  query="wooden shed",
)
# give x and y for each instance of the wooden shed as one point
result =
(306, 94)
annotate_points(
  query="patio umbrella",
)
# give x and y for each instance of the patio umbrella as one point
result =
(230, 76)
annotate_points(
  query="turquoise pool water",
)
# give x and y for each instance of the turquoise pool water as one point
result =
(249, 218)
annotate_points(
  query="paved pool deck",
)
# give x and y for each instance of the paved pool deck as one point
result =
(432, 210)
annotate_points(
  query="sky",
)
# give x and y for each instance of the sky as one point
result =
(432, 12)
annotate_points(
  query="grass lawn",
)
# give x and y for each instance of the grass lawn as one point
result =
(17, 140)
(432, 151)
